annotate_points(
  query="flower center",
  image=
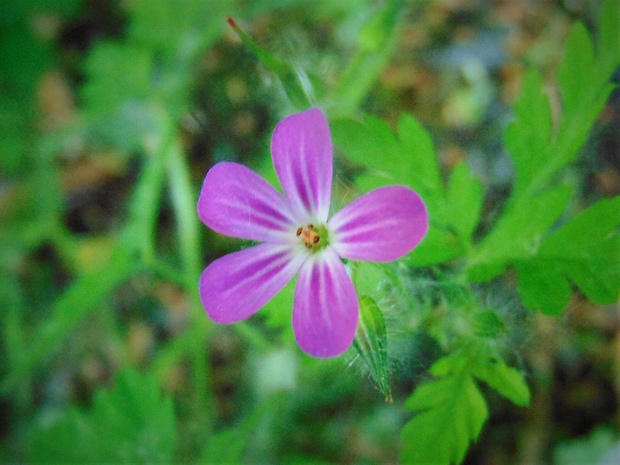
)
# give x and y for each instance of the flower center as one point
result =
(312, 238)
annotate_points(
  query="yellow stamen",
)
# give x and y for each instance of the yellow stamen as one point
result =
(309, 236)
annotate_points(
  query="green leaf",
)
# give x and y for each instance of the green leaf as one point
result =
(464, 201)
(118, 110)
(577, 67)
(598, 276)
(528, 137)
(518, 234)
(591, 226)
(362, 142)
(104, 91)
(410, 160)
(538, 155)
(450, 414)
(424, 174)
(487, 324)
(585, 251)
(189, 25)
(584, 79)
(574, 128)
(455, 364)
(131, 423)
(508, 381)
(541, 287)
(439, 246)
(371, 343)
(609, 35)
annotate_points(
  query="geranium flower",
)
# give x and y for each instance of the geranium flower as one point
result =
(297, 235)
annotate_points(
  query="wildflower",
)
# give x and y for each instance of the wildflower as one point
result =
(298, 236)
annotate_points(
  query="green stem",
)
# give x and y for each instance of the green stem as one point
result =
(184, 202)
(140, 230)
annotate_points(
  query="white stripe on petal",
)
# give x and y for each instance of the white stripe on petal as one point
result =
(382, 225)
(301, 148)
(326, 308)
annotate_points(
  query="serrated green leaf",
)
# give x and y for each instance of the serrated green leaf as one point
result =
(431, 394)
(371, 343)
(409, 159)
(451, 413)
(362, 142)
(584, 83)
(439, 246)
(585, 250)
(176, 30)
(609, 36)
(584, 79)
(366, 182)
(424, 176)
(482, 272)
(104, 91)
(455, 364)
(585, 86)
(541, 288)
(131, 423)
(577, 67)
(528, 137)
(518, 233)
(508, 381)
(598, 273)
(487, 324)
(118, 110)
(464, 201)
(591, 225)
(574, 128)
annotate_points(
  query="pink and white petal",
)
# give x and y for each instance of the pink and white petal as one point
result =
(237, 285)
(237, 202)
(326, 308)
(380, 226)
(301, 149)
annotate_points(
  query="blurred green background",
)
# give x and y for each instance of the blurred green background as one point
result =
(111, 113)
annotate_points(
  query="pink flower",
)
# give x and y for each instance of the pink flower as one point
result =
(298, 236)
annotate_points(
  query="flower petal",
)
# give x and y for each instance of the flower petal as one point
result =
(380, 226)
(326, 308)
(237, 202)
(301, 148)
(236, 286)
